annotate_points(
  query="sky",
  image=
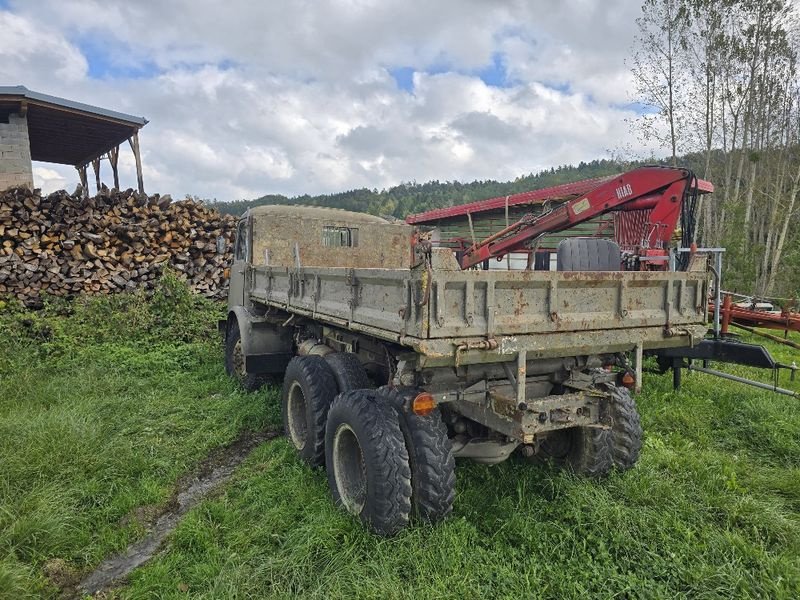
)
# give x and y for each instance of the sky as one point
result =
(248, 98)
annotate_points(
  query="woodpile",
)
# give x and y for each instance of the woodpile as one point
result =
(65, 244)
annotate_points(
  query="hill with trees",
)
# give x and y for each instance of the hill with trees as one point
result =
(412, 197)
(741, 260)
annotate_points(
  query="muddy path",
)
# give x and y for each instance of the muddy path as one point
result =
(190, 489)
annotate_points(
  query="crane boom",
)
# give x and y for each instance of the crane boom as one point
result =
(661, 189)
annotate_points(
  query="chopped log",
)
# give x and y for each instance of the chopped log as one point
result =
(119, 240)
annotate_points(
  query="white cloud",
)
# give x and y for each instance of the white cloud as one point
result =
(291, 97)
(30, 49)
(49, 179)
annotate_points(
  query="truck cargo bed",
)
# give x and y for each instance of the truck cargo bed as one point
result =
(436, 311)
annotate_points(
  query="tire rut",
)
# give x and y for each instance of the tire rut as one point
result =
(189, 491)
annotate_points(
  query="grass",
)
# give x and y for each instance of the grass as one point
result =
(105, 404)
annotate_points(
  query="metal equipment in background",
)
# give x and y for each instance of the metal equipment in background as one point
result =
(721, 347)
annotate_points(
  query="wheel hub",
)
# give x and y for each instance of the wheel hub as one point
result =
(238, 359)
(349, 469)
(296, 416)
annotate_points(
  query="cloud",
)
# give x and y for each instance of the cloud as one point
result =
(49, 179)
(31, 50)
(299, 97)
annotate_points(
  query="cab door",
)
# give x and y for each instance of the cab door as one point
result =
(241, 258)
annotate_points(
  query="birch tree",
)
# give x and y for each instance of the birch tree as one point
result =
(659, 72)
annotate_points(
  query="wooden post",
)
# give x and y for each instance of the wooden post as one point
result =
(508, 256)
(84, 180)
(96, 168)
(113, 158)
(134, 142)
(471, 228)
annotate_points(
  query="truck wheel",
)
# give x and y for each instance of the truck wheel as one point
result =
(348, 371)
(368, 470)
(234, 360)
(586, 450)
(433, 477)
(308, 390)
(626, 428)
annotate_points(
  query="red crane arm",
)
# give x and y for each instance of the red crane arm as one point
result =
(658, 188)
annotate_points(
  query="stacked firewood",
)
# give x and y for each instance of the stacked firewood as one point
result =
(66, 245)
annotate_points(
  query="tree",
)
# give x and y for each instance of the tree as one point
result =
(658, 69)
(722, 78)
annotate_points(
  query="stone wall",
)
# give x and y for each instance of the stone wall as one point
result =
(15, 153)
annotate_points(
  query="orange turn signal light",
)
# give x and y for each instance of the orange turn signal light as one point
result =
(628, 381)
(423, 404)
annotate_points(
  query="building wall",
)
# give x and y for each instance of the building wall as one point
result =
(15, 153)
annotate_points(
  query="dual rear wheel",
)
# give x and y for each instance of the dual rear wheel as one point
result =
(385, 464)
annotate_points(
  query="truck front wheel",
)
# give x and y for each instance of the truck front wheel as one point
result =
(367, 461)
(308, 390)
(234, 360)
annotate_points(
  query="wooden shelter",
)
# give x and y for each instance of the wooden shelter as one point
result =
(66, 132)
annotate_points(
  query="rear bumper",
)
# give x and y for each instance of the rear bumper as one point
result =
(445, 352)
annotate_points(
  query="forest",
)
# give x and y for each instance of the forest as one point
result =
(716, 86)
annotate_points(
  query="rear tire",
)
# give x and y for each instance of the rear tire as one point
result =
(308, 390)
(348, 371)
(234, 360)
(433, 477)
(367, 461)
(585, 450)
(626, 428)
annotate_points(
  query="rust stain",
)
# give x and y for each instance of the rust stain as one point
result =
(503, 405)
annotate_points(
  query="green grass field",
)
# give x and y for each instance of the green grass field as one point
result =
(104, 404)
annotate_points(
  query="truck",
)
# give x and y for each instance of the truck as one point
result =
(399, 355)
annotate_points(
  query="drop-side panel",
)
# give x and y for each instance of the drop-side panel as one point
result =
(464, 304)
(496, 303)
(380, 299)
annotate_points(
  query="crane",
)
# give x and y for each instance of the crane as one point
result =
(668, 193)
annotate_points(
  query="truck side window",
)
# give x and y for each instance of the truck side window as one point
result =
(241, 241)
(339, 237)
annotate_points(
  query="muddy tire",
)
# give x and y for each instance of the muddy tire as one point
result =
(626, 429)
(584, 450)
(348, 371)
(433, 477)
(367, 461)
(308, 390)
(234, 360)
